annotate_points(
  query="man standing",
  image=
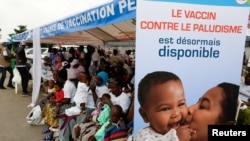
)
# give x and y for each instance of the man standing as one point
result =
(21, 62)
(5, 65)
(94, 62)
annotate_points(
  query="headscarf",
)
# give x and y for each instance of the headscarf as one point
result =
(104, 76)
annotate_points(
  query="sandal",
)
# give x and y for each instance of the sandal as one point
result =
(46, 130)
(48, 137)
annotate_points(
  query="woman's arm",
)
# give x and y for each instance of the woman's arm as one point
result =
(82, 107)
(64, 101)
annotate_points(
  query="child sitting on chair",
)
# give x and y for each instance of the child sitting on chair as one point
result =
(58, 97)
(115, 128)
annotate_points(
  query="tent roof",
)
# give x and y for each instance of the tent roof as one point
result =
(113, 22)
(116, 32)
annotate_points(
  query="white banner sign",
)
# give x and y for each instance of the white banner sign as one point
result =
(200, 41)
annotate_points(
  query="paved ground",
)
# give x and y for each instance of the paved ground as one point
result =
(13, 112)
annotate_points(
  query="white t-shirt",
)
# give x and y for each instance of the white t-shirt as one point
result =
(148, 134)
(80, 97)
(100, 90)
(123, 100)
(69, 89)
(81, 93)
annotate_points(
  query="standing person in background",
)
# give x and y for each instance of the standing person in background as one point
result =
(90, 50)
(72, 54)
(52, 56)
(21, 62)
(94, 63)
(80, 52)
(126, 57)
(5, 65)
(116, 55)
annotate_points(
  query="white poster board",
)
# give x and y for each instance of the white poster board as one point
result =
(200, 41)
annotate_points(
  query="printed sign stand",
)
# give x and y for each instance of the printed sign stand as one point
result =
(202, 42)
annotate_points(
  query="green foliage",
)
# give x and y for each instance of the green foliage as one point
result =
(20, 29)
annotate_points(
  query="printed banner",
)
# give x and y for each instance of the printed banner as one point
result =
(202, 42)
(113, 12)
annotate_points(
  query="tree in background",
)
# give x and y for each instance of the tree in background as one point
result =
(19, 29)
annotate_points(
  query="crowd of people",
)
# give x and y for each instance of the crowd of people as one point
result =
(90, 96)
(88, 87)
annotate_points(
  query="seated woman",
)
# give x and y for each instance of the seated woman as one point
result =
(118, 96)
(69, 89)
(97, 88)
(81, 95)
(95, 92)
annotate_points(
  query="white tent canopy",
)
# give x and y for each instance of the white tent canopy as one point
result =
(109, 24)
(116, 32)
